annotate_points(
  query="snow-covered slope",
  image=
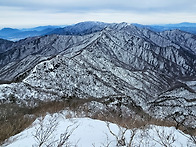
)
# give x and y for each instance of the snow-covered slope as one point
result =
(86, 132)
(177, 104)
(184, 39)
(5, 45)
(121, 60)
(81, 28)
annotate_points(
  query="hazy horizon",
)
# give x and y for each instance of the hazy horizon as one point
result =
(63, 25)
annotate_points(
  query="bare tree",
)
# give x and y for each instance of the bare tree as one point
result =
(120, 137)
(44, 134)
(44, 130)
(133, 133)
(191, 138)
(64, 138)
(164, 137)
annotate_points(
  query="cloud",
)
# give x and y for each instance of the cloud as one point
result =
(100, 5)
(43, 12)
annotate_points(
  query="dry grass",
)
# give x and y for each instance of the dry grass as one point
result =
(14, 119)
(14, 126)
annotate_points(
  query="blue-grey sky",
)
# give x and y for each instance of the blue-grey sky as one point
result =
(30, 13)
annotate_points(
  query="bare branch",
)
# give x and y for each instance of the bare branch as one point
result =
(65, 136)
(165, 139)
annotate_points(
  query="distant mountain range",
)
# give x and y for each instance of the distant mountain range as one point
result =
(17, 34)
(84, 28)
(185, 26)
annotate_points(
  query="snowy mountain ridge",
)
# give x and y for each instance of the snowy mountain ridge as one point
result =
(148, 69)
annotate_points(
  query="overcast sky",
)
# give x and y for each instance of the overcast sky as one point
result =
(30, 13)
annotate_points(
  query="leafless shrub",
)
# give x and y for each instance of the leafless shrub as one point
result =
(13, 126)
(10, 127)
(164, 137)
(193, 139)
(13, 119)
(120, 137)
(64, 138)
(44, 134)
(44, 131)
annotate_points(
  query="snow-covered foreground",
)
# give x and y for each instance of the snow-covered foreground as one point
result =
(55, 129)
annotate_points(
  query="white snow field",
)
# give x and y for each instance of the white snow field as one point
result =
(86, 132)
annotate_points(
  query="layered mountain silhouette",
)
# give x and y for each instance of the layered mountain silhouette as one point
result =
(17, 34)
(84, 28)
